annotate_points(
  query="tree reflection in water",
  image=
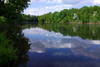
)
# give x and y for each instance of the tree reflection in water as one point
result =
(85, 31)
(20, 43)
(62, 45)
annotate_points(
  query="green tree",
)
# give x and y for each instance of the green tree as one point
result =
(12, 9)
(85, 15)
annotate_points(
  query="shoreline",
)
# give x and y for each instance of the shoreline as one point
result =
(76, 22)
(82, 23)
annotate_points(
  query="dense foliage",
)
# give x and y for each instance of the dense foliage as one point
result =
(11, 9)
(11, 40)
(13, 46)
(7, 52)
(84, 15)
(29, 19)
(2, 20)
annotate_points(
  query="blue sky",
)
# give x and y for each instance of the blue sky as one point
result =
(40, 7)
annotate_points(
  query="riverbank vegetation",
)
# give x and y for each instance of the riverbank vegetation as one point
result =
(29, 19)
(11, 12)
(7, 52)
(13, 44)
(82, 15)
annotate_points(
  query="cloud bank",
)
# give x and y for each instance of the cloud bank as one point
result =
(40, 7)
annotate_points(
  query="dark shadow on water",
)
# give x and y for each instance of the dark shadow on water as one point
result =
(16, 37)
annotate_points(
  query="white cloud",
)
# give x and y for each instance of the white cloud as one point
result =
(47, 9)
(75, 2)
(57, 5)
(38, 0)
(65, 1)
(54, 1)
(72, 1)
(83, 3)
(35, 11)
(96, 2)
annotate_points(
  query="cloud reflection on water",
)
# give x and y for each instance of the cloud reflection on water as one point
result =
(42, 39)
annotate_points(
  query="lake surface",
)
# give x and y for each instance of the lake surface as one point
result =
(61, 45)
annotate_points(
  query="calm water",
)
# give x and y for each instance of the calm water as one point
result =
(60, 45)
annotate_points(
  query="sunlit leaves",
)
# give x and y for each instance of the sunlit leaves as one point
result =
(83, 15)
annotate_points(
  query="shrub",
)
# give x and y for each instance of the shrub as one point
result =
(7, 52)
(3, 20)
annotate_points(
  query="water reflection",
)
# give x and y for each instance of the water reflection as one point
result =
(16, 37)
(50, 49)
(84, 31)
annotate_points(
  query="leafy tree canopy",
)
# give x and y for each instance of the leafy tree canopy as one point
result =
(12, 8)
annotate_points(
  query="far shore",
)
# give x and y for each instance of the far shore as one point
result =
(82, 23)
(76, 22)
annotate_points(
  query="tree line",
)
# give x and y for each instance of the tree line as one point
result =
(82, 15)
(29, 19)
